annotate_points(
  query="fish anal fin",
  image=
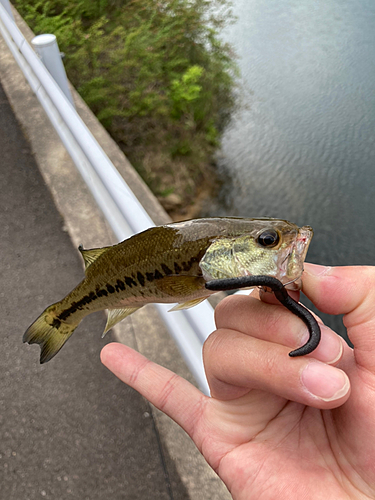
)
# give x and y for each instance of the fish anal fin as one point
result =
(188, 304)
(180, 286)
(90, 256)
(117, 315)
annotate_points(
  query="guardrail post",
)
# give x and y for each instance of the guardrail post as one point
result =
(7, 7)
(48, 50)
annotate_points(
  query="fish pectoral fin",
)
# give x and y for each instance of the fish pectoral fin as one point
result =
(117, 315)
(180, 286)
(90, 256)
(186, 305)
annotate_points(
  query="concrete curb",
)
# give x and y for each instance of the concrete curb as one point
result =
(85, 224)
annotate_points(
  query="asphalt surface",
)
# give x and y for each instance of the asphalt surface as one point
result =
(68, 429)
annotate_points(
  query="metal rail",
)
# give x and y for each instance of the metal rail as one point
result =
(119, 205)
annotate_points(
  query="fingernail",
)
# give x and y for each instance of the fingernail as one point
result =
(331, 347)
(316, 270)
(325, 382)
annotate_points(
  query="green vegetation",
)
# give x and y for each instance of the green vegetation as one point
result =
(156, 75)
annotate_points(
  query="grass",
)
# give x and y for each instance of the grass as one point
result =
(157, 76)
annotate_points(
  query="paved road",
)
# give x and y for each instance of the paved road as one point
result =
(68, 429)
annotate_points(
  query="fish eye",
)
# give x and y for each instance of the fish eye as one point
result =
(269, 238)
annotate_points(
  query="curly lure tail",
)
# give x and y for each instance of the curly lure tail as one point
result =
(49, 332)
(282, 296)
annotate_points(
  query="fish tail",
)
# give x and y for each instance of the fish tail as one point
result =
(49, 332)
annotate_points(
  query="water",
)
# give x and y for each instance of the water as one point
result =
(304, 149)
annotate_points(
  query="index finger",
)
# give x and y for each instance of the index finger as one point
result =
(169, 392)
(274, 323)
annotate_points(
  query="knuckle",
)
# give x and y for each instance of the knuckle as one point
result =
(167, 391)
(213, 346)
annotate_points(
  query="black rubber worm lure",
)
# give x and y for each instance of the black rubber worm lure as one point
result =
(282, 296)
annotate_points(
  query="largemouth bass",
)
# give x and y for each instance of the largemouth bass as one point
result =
(172, 263)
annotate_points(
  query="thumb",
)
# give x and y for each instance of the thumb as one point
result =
(349, 291)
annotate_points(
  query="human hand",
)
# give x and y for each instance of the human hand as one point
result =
(277, 427)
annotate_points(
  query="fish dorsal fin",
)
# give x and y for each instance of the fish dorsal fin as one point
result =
(90, 256)
(180, 286)
(186, 305)
(117, 315)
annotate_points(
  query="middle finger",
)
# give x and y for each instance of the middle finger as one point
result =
(274, 323)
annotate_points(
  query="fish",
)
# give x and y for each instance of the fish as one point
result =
(172, 264)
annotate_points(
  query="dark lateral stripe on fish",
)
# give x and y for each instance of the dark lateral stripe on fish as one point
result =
(56, 324)
(130, 281)
(166, 270)
(140, 278)
(186, 266)
(78, 305)
(157, 274)
(120, 285)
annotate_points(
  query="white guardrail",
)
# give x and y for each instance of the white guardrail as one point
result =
(119, 205)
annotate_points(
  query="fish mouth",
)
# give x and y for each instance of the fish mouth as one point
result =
(303, 240)
(296, 258)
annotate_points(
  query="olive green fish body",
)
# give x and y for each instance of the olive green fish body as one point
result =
(153, 266)
(171, 264)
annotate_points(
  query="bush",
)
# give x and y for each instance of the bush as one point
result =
(155, 73)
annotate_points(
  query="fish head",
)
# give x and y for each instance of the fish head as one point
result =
(270, 247)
